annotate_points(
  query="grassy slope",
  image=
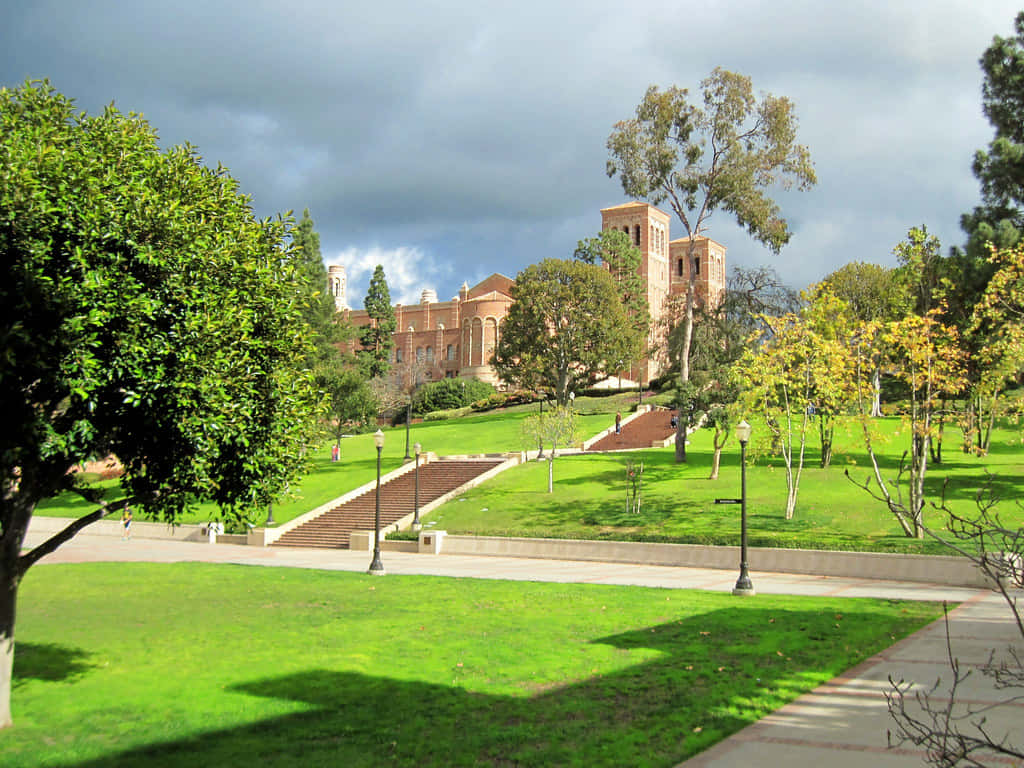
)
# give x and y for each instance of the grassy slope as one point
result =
(488, 433)
(192, 664)
(678, 499)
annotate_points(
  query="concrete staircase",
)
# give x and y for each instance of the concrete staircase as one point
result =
(333, 529)
(646, 430)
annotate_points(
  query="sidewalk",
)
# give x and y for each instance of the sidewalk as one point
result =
(842, 723)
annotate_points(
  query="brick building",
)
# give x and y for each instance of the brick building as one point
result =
(456, 338)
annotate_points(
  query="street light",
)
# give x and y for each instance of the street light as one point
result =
(377, 567)
(416, 497)
(408, 421)
(743, 584)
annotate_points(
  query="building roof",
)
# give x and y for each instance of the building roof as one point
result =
(634, 204)
(496, 282)
(698, 239)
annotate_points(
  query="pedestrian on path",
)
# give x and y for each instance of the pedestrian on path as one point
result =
(126, 521)
(618, 423)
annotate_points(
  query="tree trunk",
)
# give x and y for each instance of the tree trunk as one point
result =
(551, 471)
(715, 460)
(876, 398)
(826, 433)
(8, 599)
(680, 440)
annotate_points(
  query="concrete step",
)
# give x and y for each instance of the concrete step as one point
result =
(332, 529)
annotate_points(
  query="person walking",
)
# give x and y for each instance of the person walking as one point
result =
(126, 522)
(618, 423)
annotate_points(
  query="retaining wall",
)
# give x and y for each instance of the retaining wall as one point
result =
(932, 569)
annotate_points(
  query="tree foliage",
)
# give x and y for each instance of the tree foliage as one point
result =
(615, 251)
(799, 376)
(725, 155)
(375, 338)
(146, 313)
(999, 219)
(319, 308)
(925, 356)
(566, 327)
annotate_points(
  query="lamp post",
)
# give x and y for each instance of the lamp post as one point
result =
(408, 420)
(743, 584)
(376, 566)
(416, 494)
(270, 514)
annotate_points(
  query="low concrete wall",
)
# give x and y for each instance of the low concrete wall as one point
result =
(932, 569)
(112, 527)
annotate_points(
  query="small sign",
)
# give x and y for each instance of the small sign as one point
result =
(728, 501)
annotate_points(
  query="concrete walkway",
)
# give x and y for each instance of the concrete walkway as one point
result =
(842, 723)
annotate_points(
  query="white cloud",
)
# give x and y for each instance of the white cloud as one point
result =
(407, 270)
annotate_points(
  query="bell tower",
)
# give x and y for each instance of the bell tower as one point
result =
(648, 230)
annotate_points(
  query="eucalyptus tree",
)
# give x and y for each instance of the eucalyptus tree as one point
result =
(728, 154)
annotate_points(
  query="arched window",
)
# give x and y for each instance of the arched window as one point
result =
(430, 354)
(419, 354)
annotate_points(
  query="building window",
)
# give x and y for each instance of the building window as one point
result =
(398, 354)
(419, 354)
(696, 265)
(636, 235)
(679, 268)
(430, 354)
(449, 353)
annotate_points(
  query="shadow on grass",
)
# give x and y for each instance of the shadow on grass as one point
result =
(709, 676)
(51, 662)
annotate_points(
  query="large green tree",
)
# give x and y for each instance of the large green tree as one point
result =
(566, 327)
(375, 338)
(727, 155)
(145, 313)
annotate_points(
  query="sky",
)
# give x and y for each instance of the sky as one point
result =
(450, 140)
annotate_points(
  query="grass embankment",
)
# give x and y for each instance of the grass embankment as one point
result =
(497, 432)
(678, 501)
(191, 664)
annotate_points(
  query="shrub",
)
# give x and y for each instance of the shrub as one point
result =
(446, 394)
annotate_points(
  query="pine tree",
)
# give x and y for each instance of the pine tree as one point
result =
(318, 304)
(376, 337)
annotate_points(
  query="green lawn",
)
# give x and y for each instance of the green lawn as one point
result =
(192, 664)
(497, 432)
(678, 501)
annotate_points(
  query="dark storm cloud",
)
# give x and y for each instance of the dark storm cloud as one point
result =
(450, 140)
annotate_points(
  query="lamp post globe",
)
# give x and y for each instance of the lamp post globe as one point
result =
(376, 565)
(743, 585)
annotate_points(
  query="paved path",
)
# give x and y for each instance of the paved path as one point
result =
(842, 723)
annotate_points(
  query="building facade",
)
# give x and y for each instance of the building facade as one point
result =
(451, 339)
(456, 338)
